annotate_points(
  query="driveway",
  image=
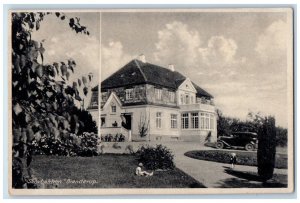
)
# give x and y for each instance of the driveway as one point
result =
(211, 174)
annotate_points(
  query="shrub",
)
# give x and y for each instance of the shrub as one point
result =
(71, 145)
(266, 149)
(153, 158)
(281, 136)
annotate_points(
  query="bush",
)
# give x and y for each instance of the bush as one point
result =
(71, 145)
(119, 137)
(153, 158)
(266, 149)
(281, 137)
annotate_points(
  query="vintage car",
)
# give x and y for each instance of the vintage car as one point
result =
(246, 140)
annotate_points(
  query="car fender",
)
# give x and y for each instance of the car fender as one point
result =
(225, 143)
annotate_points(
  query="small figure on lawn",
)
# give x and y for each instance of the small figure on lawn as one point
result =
(140, 172)
(232, 160)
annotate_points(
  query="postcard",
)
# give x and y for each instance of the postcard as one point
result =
(151, 101)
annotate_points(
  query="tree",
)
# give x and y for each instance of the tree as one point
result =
(43, 100)
(143, 125)
(266, 148)
(223, 124)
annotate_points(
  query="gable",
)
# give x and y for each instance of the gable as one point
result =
(187, 86)
(112, 100)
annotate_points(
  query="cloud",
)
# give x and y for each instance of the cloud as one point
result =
(239, 83)
(220, 51)
(179, 45)
(272, 43)
(113, 58)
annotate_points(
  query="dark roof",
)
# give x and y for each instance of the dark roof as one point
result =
(136, 72)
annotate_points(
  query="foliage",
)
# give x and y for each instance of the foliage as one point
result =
(227, 125)
(243, 157)
(266, 148)
(281, 136)
(153, 158)
(43, 100)
(119, 137)
(73, 145)
(143, 126)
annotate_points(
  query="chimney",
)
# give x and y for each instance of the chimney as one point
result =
(171, 67)
(142, 58)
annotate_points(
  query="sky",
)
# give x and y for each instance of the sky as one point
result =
(238, 57)
(61, 43)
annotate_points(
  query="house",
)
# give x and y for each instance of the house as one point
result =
(161, 101)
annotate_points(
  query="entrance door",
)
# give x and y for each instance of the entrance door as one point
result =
(127, 122)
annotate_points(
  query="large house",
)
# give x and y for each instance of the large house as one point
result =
(144, 101)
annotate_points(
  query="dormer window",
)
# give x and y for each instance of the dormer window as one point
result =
(129, 94)
(172, 96)
(158, 94)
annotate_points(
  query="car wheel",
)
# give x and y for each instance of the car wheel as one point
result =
(249, 147)
(219, 145)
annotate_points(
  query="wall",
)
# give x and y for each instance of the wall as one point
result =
(165, 99)
(138, 96)
(111, 117)
(165, 130)
(138, 113)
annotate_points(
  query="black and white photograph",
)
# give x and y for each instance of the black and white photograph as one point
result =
(151, 101)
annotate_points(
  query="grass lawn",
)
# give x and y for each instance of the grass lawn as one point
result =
(105, 171)
(243, 157)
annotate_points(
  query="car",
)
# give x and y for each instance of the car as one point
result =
(246, 140)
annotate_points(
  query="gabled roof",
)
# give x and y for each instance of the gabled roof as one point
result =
(137, 72)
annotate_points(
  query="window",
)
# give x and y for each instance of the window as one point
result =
(158, 93)
(173, 120)
(206, 126)
(113, 108)
(129, 94)
(181, 99)
(185, 120)
(195, 120)
(202, 121)
(158, 119)
(212, 122)
(207, 121)
(172, 96)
